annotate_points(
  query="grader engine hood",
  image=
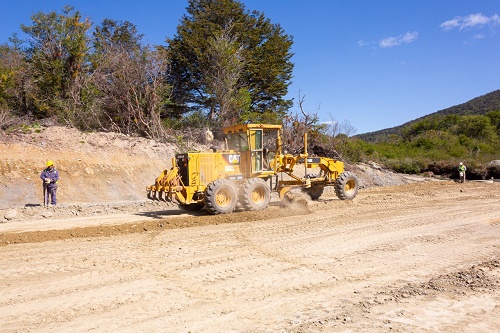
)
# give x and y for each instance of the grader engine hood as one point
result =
(199, 169)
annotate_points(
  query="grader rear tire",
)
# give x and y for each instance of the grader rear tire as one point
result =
(255, 194)
(220, 197)
(346, 186)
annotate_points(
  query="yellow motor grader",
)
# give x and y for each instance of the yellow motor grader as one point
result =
(244, 173)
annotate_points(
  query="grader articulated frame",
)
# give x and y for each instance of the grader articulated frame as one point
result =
(244, 173)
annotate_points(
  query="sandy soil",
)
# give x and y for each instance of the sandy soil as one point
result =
(421, 257)
(408, 254)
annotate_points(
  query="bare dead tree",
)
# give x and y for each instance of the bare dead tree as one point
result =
(298, 123)
(5, 118)
(337, 136)
(128, 92)
(327, 139)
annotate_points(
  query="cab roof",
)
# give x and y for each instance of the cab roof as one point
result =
(246, 127)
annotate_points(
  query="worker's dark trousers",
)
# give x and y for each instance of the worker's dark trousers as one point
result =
(52, 193)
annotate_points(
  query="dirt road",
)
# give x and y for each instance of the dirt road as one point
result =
(414, 258)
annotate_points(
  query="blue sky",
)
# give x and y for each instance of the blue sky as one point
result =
(374, 64)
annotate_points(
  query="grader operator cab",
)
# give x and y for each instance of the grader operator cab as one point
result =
(244, 173)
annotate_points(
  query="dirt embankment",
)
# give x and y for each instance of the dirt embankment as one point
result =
(95, 168)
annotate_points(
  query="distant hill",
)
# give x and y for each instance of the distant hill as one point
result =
(479, 105)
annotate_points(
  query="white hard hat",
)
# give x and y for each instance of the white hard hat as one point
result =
(461, 163)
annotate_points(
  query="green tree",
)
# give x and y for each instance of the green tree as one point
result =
(7, 72)
(449, 122)
(56, 53)
(260, 46)
(111, 34)
(15, 81)
(477, 127)
(495, 120)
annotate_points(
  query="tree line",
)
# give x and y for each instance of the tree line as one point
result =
(224, 65)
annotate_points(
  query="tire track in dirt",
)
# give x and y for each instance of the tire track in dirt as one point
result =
(388, 310)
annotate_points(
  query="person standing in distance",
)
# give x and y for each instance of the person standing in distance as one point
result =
(50, 177)
(461, 172)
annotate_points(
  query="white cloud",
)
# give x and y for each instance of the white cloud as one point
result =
(474, 20)
(450, 24)
(407, 38)
(362, 43)
(477, 20)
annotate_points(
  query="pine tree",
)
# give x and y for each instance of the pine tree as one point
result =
(220, 39)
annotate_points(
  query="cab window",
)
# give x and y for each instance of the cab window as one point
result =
(237, 141)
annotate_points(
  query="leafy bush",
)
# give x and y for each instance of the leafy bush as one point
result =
(408, 166)
(493, 169)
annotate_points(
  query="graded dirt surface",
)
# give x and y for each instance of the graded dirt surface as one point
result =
(420, 257)
(408, 254)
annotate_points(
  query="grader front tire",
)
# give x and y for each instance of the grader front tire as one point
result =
(346, 186)
(255, 194)
(220, 197)
(315, 192)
